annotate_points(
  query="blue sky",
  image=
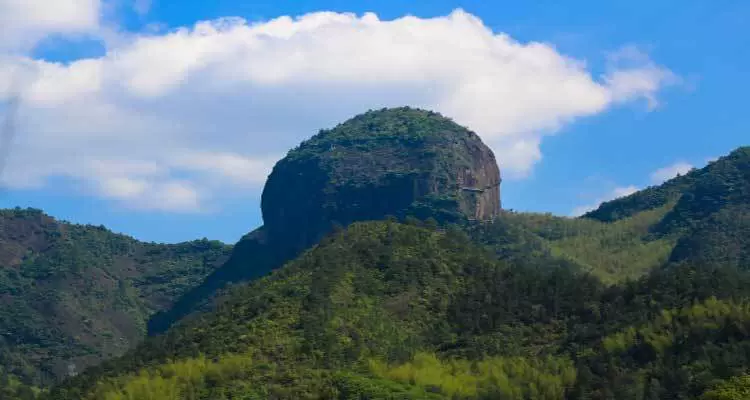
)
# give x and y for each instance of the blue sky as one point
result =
(597, 151)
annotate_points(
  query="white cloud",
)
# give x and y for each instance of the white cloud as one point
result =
(632, 74)
(613, 194)
(214, 101)
(174, 196)
(662, 175)
(236, 168)
(23, 22)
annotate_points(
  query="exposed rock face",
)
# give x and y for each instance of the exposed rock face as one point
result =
(388, 162)
(483, 175)
(396, 162)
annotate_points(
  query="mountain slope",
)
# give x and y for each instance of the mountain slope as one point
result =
(613, 251)
(377, 291)
(384, 310)
(709, 216)
(622, 239)
(73, 295)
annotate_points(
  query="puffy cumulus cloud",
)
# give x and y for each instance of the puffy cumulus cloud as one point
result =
(613, 194)
(632, 74)
(23, 22)
(209, 109)
(666, 173)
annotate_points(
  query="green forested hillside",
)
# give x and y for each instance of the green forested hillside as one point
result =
(709, 218)
(73, 295)
(646, 298)
(385, 310)
(613, 251)
(432, 293)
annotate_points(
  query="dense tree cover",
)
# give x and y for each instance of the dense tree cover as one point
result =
(252, 257)
(386, 310)
(73, 295)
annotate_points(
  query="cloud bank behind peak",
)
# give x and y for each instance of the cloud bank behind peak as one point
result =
(202, 111)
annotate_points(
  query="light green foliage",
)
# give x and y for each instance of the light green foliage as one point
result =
(688, 347)
(736, 388)
(13, 389)
(186, 379)
(492, 378)
(613, 251)
(674, 326)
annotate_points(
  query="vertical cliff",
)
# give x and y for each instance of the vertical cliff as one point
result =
(388, 162)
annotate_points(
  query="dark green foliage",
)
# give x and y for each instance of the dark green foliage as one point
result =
(643, 200)
(252, 257)
(613, 251)
(73, 295)
(393, 294)
(12, 389)
(375, 291)
(723, 238)
(724, 183)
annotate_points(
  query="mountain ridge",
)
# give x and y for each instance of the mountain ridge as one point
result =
(74, 294)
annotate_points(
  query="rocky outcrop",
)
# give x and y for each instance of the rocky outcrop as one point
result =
(392, 162)
(389, 162)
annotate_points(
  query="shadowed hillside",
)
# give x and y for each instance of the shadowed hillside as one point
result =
(73, 295)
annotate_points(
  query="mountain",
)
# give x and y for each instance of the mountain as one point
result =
(398, 161)
(612, 251)
(384, 310)
(386, 270)
(709, 211)
(73, 295)
(644, 298)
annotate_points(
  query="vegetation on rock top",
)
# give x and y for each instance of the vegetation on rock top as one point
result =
(398, 162)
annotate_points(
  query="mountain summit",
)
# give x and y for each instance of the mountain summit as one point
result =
(400, 161)
(390, 162)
